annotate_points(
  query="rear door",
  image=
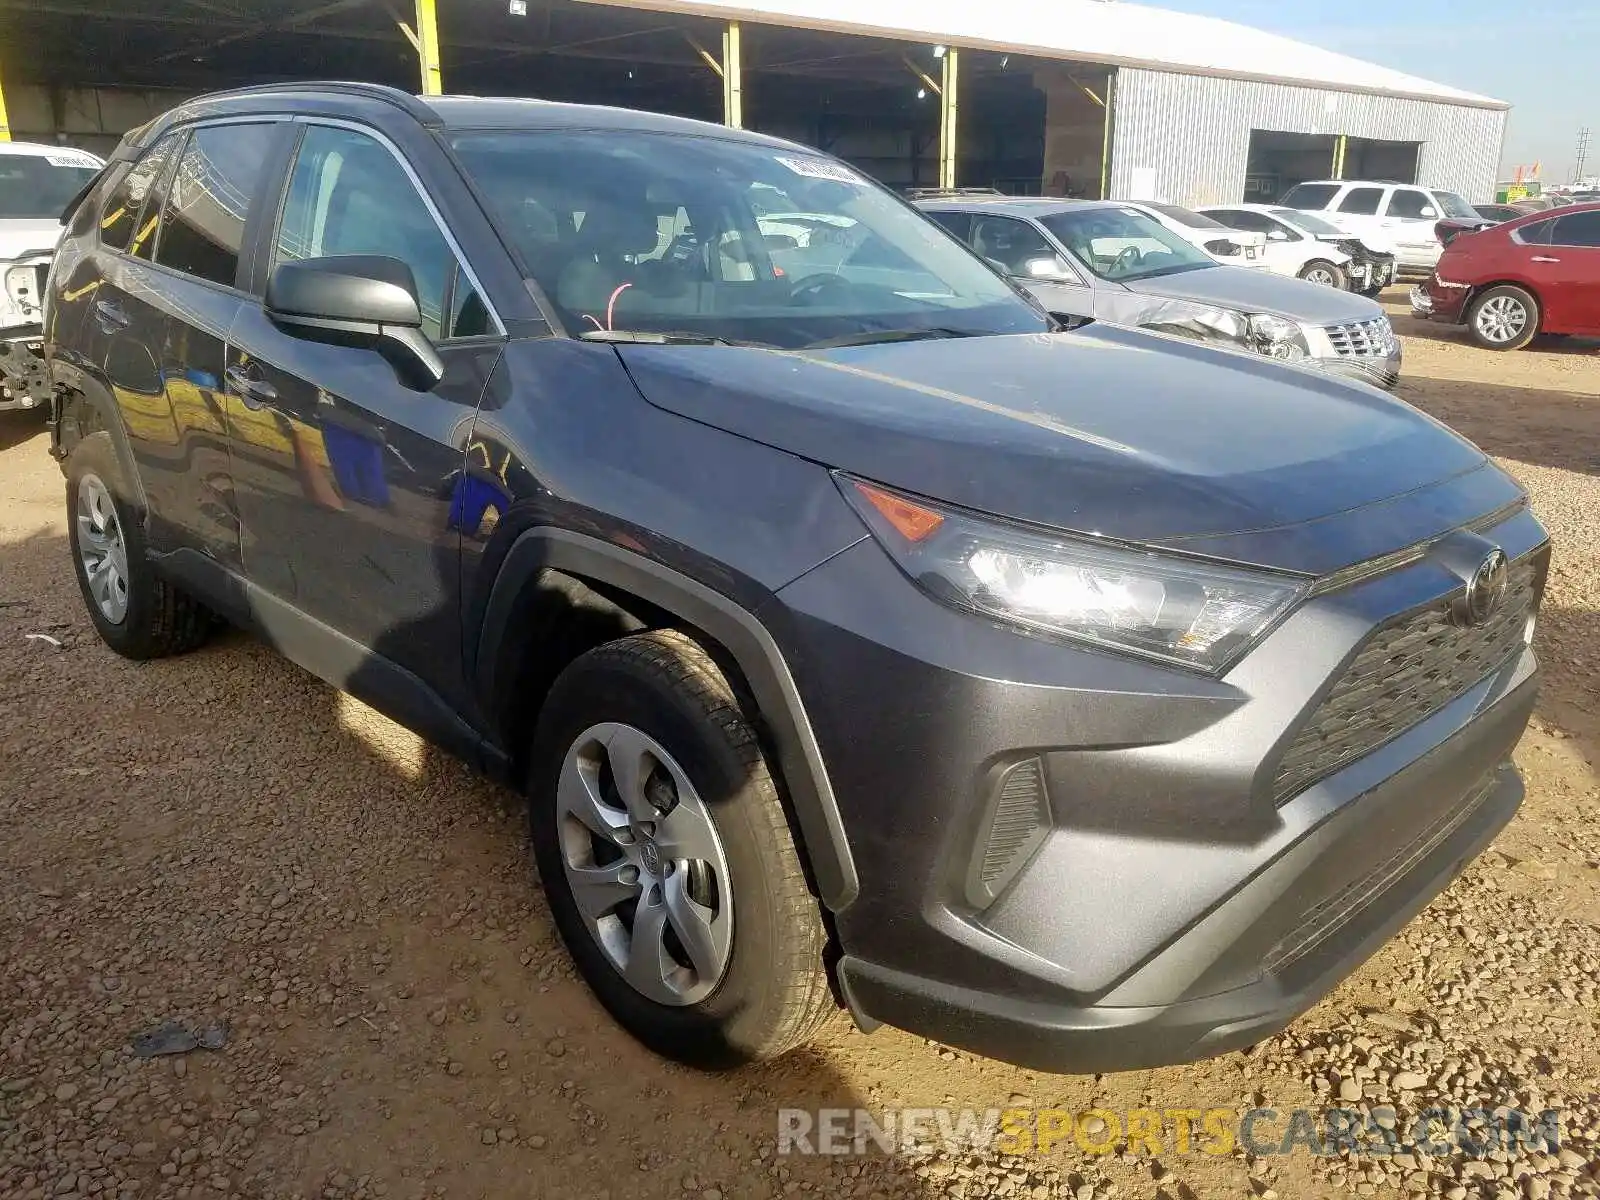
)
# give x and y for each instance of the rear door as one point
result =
(345, 475)
(1409, 217)
(163, 307)
(1359, 209)
(1568, 271)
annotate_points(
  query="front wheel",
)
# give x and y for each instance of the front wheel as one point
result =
(667, 858)
(1326, 273)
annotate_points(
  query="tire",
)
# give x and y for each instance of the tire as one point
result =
(1320, 270)
(1503, 318)
(758, 986)
(134, 610)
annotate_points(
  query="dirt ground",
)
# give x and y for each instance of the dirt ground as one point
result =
(223, 839)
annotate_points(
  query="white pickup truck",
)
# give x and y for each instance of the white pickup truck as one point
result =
(36, 184)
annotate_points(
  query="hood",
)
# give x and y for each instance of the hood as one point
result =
(1102, 430)
(1260, 292)
(19, 235)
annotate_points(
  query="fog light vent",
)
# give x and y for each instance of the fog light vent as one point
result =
(1018, 815)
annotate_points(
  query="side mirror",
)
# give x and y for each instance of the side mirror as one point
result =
(1429, 210)
(1277, 235)
(1045, 268)
(364, 300)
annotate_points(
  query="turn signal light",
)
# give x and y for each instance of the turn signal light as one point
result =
(911, 521)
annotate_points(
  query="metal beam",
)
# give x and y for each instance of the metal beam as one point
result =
(281, 25)
(1105, 142)
(1339, 148)
(732, 76)
(5, 120)
(428, 48)
(949, 117)
(927, 80)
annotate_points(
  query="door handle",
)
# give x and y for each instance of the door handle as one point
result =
(256, 393)
(110, 317)
(1544, 258)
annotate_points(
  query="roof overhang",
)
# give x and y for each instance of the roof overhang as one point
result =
(1101, 31)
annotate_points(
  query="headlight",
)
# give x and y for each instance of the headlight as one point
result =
(1277, 337)
(1192, 612)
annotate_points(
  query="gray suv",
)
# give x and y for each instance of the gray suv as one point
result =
(1088, 699)
(1104, 261)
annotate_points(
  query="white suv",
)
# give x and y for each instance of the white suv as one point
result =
(1391, 216)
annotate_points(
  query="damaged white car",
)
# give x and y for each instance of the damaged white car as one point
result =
(36, 185)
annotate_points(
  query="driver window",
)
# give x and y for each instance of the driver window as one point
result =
(1408, 202)
(349, 195)
(1014, 244)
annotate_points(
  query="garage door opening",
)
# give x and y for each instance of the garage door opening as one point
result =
(1370, 158)
(1280, 160)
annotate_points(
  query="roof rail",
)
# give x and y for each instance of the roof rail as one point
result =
(929, 193)
(382, 93)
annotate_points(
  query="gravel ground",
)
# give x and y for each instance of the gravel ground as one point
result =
(223, 842)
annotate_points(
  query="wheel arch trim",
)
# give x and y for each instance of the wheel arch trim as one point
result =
(737, 630)
(97, 396)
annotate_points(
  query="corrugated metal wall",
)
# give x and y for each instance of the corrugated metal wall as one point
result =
(1193, 131)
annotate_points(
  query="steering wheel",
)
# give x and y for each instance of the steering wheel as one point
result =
(813, 286)
(1128, 258)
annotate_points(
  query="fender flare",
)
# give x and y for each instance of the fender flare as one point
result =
(738, 631)
(95, 394)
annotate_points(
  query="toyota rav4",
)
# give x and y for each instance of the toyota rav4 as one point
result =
(1089, 699)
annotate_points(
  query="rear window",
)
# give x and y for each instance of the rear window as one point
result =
(1578, 229)
(121, 215)
(1309, 195)
(1537, 233)
(218, 177)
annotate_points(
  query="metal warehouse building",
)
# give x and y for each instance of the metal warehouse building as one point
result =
(1071, 97)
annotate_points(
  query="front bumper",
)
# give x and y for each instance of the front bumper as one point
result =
(1380, 370)
(1157, 903)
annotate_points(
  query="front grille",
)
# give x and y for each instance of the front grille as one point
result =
(1323, 920)
(1364, 338)
(1404, 674)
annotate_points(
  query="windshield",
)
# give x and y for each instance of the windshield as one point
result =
(1307, 222)
(628, 231)
(41, 185)
(1123, 244)
(1184, 216)
(1453, 205)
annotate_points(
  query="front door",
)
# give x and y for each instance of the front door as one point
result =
(1567, 274)
(343, 472)
(1029, 257)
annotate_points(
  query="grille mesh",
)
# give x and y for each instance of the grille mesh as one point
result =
(1362, 337)
(1405, 673)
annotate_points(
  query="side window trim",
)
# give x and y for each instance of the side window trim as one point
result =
(463, 265)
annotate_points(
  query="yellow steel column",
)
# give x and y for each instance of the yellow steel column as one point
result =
(1338, 156)
(1105, 137)
(949, 114)
(428, 48)
(5, 120)
(732, 83)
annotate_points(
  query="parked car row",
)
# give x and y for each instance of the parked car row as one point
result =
(1105, 260)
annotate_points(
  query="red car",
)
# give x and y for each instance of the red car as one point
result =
(1537, 274)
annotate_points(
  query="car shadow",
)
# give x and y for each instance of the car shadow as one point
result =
(238, 841)
(1545, 427)
(18, 426)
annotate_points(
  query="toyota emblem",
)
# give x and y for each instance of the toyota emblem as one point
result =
(1486, 590)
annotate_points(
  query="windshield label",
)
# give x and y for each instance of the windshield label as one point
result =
(820, 168)
(69, 160)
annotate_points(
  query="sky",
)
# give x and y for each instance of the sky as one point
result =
(1542, 56)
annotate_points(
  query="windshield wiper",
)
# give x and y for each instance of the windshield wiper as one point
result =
(650, 337)
(871, 337)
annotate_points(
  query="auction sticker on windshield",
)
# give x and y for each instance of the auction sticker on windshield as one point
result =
(820, 168)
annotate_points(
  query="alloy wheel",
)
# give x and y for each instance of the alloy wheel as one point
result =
(102, 549)
(1501, 319)
(1320, 275)
(644, 864)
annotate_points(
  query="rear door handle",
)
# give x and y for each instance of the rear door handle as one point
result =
(110, 316)
(256, 393)
(1544, 258)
